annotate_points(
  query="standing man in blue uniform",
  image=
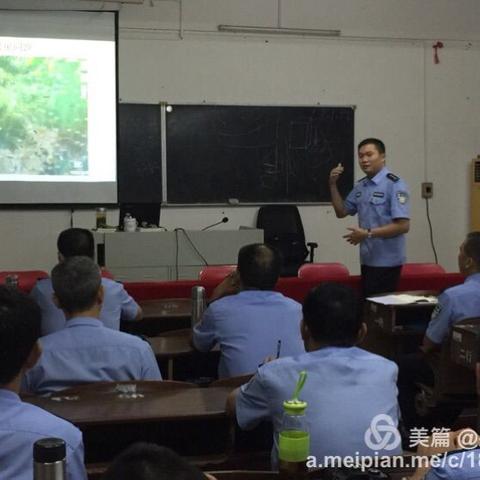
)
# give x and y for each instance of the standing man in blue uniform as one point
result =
(382, 201)
(346, 389)
(22, 424)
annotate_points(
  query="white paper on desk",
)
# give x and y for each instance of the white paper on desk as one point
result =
(403, 299)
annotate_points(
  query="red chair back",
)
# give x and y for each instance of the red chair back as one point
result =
(411, 269)
(215, 273)
(323, 271)
(26, 278)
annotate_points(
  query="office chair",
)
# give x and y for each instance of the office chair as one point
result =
(283, 230)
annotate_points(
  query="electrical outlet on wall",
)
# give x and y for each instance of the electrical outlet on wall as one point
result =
(427, 190)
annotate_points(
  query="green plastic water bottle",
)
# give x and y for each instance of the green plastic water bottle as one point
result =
(294, 438)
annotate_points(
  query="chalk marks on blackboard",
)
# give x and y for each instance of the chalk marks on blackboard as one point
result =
(256, 154)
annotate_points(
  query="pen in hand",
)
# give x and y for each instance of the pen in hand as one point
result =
(271, 357)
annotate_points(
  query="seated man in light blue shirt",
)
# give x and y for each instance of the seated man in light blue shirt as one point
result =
(117, 303)
(85, 350)
(251, 321)
(22, 424)
(458, 302)
(459, 465)
(454, 304)
(346, 387)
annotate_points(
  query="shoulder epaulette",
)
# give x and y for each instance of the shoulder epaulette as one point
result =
(393, 177)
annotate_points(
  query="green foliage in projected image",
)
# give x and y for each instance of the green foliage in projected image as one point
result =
(43, 116)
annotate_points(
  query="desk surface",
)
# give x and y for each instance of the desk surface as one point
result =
(173, 344)
(160, 316)
(172, 403)
(167, 308)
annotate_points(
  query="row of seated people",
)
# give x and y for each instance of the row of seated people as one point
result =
(326, 333)
(117, 304)
(347, 387)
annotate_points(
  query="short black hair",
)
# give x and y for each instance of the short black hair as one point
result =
(76, 242)
(147, 461)
(20, 328)
(331, 313)
(259, 266)
(76, 282)
(379, 145)
(472, 247)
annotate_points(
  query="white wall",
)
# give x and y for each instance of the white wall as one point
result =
(383, 64)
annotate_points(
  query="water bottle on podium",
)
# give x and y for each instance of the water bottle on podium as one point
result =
(198, 303)
(294, 436)
(49, 459)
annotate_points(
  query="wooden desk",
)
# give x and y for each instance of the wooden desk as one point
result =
(154, 405)
(464, 344)
(170, 346)
(161, 315)
(175, 416)
(175, 345)
(396, 329)
(406, 319)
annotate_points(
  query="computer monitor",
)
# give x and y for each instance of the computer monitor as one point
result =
(147, 214)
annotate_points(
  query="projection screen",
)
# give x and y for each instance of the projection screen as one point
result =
(58, 107)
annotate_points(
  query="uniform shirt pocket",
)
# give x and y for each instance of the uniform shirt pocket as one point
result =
(374, 200)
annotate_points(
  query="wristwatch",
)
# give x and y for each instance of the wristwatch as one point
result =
(369, 233)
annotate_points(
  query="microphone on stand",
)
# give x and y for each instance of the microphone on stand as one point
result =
(223, 220)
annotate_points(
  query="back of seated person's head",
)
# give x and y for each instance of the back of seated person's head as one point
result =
(147, 461)
(76, 283)
(471, 246)
(20, 320)
(259, 266)
(74, 242)
(330, 312)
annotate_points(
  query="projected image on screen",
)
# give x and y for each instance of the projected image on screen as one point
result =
(58, 107)
(43, 114)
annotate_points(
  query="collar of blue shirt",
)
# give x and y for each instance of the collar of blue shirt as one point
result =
(474, 277)
(379, 176)
(83, 321)
(8, 395)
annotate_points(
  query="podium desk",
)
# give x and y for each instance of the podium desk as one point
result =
(177, 255)
(396, 329)
(465, 343)
(160, 316)
(401, 319)
(170, 414)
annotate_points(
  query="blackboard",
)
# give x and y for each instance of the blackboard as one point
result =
(257, 154)
(139, 154)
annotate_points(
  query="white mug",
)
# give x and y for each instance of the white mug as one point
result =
(130, 224)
